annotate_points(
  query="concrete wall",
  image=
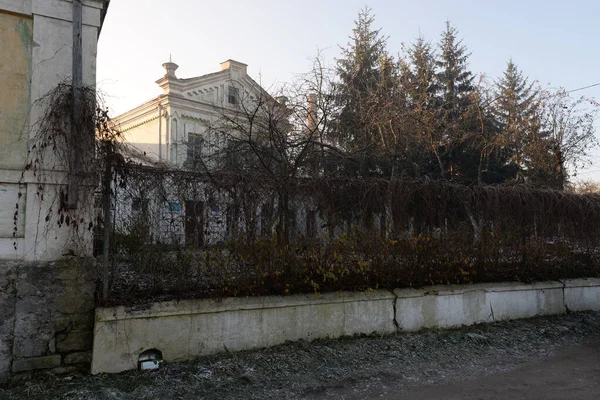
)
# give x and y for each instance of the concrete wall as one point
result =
(187, 329)
(451, 306)
(582, 294)
(184, 330)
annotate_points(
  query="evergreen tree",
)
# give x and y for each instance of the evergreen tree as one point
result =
(364, 70)
(516, 112)
(454, 80)
(420, 74)
(417, 78)
(456, 118)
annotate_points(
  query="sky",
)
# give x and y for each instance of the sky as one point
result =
(554, 42)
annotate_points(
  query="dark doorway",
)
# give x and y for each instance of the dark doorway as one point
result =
(194, 223)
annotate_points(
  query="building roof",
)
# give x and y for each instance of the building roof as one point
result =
(103, 14)
(181, 91)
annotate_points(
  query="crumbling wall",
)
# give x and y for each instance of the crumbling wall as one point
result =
(46, 317)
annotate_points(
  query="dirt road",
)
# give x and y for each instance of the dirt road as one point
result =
(572, 374)
(541, 358)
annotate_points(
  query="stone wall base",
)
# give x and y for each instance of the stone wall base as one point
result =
(46, 317)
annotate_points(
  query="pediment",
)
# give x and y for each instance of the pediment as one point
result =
(210, 89)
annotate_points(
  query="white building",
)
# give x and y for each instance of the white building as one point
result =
(173, 127)
(177, 130)
(173, 131)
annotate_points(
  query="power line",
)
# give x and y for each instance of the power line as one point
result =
(585, 87)
(594, 171)
(558, 93)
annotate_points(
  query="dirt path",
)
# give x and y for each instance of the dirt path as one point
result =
(540, 358)
(572, 374)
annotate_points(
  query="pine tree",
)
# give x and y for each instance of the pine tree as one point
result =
(516, 112)
(364, 70)
(454, 80)
(454, 102)
(417, 78)
(420, 73)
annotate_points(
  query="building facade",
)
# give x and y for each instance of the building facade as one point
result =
(46, 281)
(181, 129)
(174, 128)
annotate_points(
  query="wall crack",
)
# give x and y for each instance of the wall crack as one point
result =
(394, 305)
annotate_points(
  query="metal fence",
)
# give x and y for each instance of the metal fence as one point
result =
(176, 233)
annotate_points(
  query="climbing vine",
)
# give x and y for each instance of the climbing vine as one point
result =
(58, 138)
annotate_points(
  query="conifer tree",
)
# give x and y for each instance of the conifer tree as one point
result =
(420, 74)
(455, 89)
(454, 79)
(516, 112)
(417, 78)
(364, 72)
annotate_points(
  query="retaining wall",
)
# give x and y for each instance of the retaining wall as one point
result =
(188, 329)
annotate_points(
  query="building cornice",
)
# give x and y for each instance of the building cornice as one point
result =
(142, 111)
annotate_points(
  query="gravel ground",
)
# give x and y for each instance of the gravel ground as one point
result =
(325, 368)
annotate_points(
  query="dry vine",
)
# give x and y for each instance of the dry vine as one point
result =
(50, 161)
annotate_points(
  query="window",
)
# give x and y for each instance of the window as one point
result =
(234, 95)
(194, 150)
(139, 206)
(140, 218)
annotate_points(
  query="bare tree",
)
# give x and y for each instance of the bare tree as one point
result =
(567, 135)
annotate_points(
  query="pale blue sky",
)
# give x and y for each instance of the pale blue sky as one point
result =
(555, 42)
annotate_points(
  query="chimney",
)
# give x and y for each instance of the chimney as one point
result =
(313, 120)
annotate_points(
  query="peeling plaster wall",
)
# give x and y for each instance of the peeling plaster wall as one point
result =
(36, 39)
(16, 39)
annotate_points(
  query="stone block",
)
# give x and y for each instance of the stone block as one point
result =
(74, 341)
(74, 322)
(5, 357)
(33, 335)
(79, 357)
(82, 270)
(67, 370)
(30, 364)
(75, 301)
(4, 375)
(31, 347)
(45, 307)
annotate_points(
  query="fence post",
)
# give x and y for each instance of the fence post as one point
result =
(105, 243)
